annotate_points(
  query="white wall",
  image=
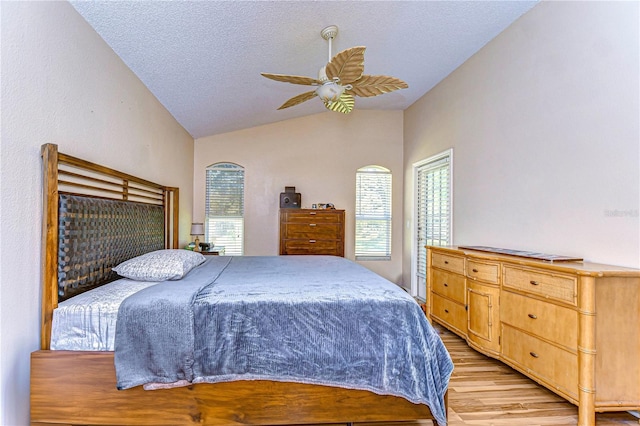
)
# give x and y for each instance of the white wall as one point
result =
(544, 124)
(319, 155)
(62, 84)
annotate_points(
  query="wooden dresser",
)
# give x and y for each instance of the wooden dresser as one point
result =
(574, 327)
(311, 231)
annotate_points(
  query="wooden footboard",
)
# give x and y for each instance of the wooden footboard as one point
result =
(79, 388)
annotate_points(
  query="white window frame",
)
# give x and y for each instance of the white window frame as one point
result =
(388, 216)
(414, 237)
(235, 248)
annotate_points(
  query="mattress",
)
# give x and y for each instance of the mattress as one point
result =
(87, 322)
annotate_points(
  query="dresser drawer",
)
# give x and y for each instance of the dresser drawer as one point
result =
(555, 366)
(554, 286)
(449, 312)
(313, 230)
(551, 322)
(483, 271)
(450, 263)
(449, 285)
(328, 247)
(313, 216)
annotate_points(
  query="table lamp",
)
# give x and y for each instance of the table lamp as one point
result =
(197, 229)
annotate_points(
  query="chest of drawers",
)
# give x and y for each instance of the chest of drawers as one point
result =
(573, 327)
(311, 231)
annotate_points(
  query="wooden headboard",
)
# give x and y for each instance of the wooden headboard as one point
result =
(93, 219)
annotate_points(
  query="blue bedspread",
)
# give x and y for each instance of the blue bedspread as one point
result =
(307, 319)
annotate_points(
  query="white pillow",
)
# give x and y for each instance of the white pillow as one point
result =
(160, 265)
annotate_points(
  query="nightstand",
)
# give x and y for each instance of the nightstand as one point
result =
(214, 251)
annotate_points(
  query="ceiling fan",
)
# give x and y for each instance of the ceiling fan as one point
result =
(340, 80)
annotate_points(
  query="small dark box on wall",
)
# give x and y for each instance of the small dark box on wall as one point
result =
(290, 199)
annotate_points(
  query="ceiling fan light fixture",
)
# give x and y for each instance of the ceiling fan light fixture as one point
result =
(330, 91)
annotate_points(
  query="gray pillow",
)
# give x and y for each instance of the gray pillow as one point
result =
(160, 265)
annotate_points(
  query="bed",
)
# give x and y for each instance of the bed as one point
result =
(85, 229)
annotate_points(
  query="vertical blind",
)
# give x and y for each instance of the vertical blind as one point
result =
(373, 213)
(224, 207)
(434, 208)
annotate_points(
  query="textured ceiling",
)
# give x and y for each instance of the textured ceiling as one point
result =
(203, 59)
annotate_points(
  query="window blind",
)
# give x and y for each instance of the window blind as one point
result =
(224, 207)
(434, 208)
(373, 213)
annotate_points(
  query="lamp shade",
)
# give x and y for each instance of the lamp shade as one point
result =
(197, 229)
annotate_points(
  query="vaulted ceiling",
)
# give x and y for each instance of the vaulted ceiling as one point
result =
(203, 59)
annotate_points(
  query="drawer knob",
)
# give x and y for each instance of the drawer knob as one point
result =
(532, 282)
(446, 262)
(532, 316)
(446, 285)
(312, 224)
(533, 354)
(312, 213)
(446, 310)
(312, 241)
(474, 270)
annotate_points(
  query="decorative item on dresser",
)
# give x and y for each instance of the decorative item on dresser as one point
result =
(571, 326)
(309, 231)
(290, 199)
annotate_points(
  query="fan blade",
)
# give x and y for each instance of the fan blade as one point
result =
(347, 65)
(344, 104)
(374, 85)
(299, 99)
(293, 79)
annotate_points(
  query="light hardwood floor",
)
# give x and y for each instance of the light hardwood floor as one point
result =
(486, 392)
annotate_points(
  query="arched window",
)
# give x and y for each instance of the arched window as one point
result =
(224, 207)
(373, 213)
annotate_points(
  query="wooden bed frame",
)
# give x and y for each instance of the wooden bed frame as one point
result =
(79, 388)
